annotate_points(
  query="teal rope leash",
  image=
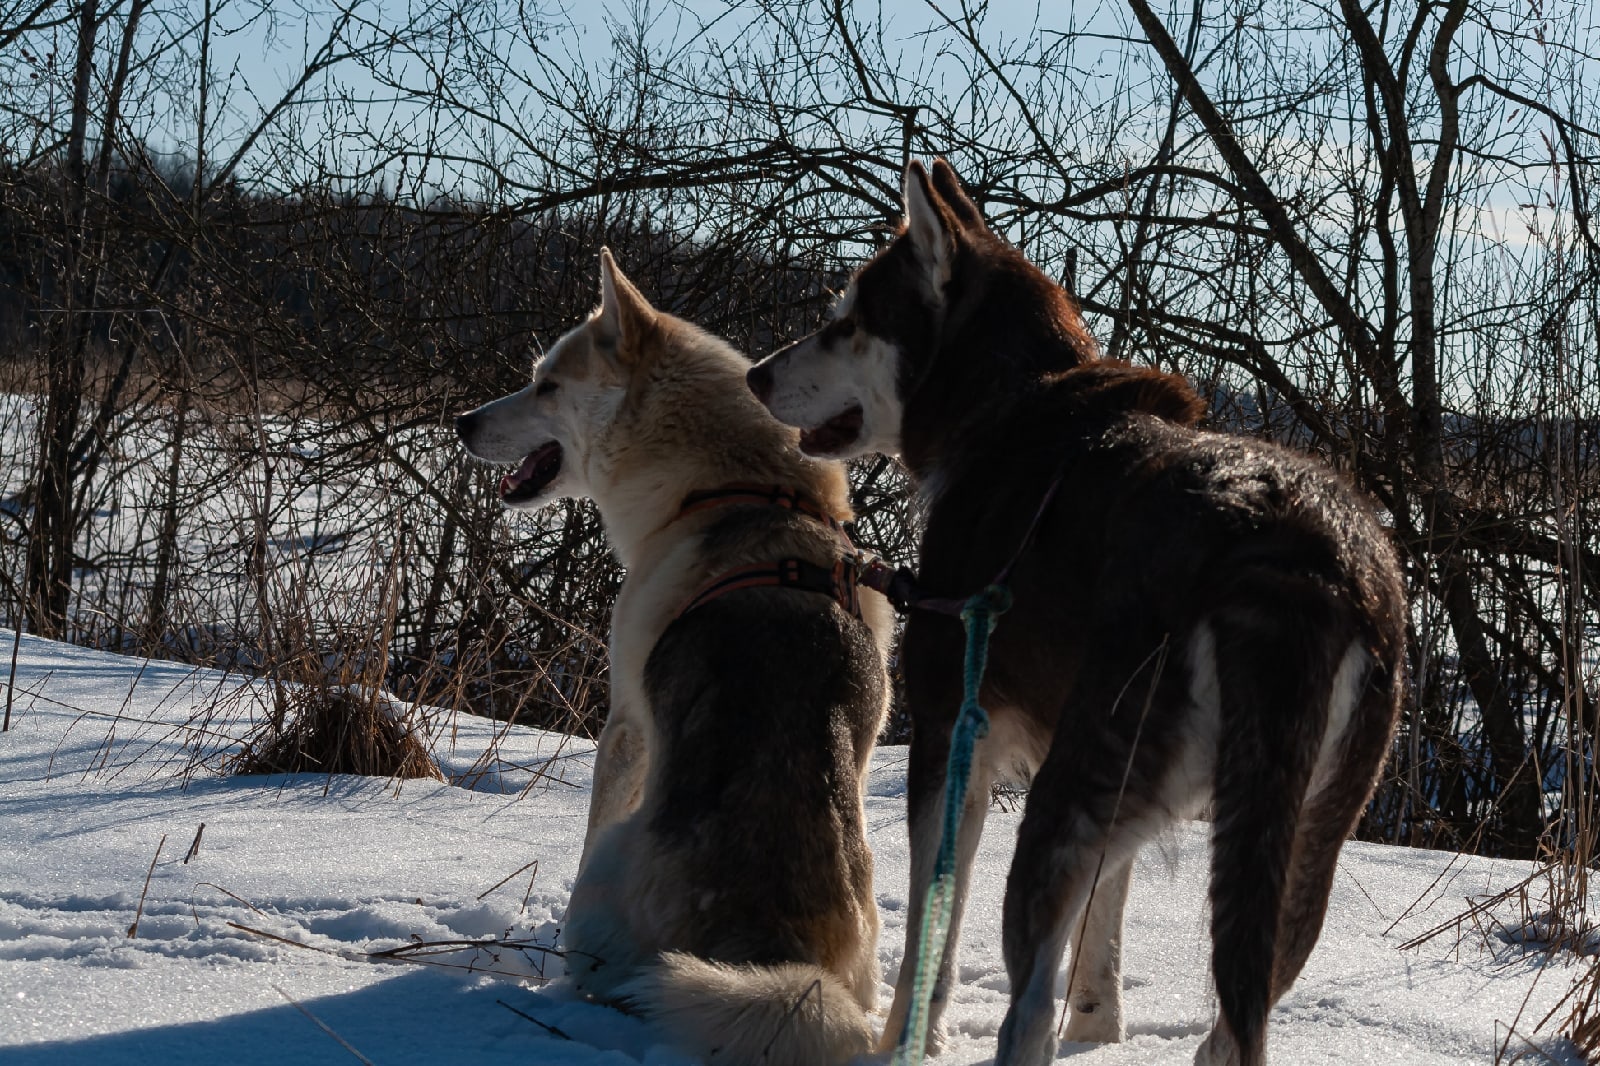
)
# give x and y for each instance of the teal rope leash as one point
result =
(978, 616)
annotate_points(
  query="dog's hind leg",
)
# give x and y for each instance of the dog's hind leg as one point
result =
(1277, 641)
(1081, 823)
(1095, 992)
(1069, 827)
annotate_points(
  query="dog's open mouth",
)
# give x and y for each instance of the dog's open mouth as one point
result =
(537, 470)
(834, 435)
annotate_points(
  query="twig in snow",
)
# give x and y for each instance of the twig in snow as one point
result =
(423, 953)
(293, 943)
(509, 876)
(230, 895)
(552, 1030)
(133, 930)
(1504, 1046)
(418, 953)
(320, 1024)
(528, 894)
(194, 848)
(434, 947)
(1474, 909)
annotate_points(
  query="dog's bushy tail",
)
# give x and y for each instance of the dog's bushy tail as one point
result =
(793, 1014)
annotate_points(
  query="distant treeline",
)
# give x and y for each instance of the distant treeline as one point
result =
(307, 287)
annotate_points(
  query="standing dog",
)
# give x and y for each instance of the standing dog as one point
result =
(1200, 619)
(726, 885)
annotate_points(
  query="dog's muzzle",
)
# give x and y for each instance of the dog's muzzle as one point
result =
(759, 378)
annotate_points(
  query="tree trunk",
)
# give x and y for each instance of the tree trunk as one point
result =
(48, 581)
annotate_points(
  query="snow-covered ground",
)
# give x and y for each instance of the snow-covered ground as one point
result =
(259, 947)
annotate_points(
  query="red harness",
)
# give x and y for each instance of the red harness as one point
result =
(841, 581)
(772, 495)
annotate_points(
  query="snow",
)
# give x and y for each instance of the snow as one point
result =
(259, 948)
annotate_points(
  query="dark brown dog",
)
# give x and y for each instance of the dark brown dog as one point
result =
(1202, 619)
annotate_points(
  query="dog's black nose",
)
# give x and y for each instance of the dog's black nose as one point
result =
(465, 424)
(760, 381)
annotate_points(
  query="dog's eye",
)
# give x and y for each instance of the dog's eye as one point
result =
(544, 388)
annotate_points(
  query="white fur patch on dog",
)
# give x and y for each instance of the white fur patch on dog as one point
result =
(815, 381)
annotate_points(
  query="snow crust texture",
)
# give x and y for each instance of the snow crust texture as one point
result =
(420, 922)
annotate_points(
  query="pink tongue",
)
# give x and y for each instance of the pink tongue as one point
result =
(509, 483)
(838, 431)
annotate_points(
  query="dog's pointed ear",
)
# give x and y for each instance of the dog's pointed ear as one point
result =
(930, 225)
(625, 316)
(948, 186)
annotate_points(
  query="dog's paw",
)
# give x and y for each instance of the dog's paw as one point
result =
(1094, 1023)
(938, 1038)
(1025, 1042)
(932, 1045)
(1218, 1049)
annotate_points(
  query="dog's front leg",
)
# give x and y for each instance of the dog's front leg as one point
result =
(620, 763)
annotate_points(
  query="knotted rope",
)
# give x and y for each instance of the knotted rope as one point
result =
(978, 616)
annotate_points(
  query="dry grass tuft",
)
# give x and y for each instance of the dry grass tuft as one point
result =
(337, 729)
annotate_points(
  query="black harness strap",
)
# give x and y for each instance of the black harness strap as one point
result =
(899, 584)
(840, 582)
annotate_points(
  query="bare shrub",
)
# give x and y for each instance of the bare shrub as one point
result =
(336, 729)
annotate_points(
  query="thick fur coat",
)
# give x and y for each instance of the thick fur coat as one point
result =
(726, 886)
(1202, 621)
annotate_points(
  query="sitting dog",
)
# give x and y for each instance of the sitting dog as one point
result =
(726, 886)
(1199, 619)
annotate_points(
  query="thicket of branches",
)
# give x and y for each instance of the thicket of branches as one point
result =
(261, 465)
(236, 322)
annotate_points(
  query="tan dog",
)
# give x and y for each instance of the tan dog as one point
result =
(726, 886)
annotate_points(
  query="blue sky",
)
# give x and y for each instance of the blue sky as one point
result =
(256, 59)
